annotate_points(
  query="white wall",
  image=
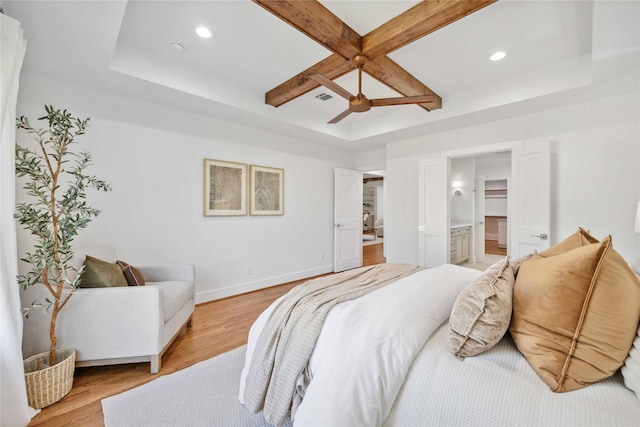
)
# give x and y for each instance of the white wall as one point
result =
(153, 157)
(595, 175)
(462, 172)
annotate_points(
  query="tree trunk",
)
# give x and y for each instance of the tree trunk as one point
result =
(52, 333)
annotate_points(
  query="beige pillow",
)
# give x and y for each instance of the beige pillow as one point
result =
(482, 311)
(101, 274)
(575, 315)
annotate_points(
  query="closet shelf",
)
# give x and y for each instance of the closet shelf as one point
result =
(495, 194)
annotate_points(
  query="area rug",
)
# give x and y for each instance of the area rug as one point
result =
(205, 394)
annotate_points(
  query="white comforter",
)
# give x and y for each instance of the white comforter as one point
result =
(367, 345)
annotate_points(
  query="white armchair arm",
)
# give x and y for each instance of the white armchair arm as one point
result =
(95, 319)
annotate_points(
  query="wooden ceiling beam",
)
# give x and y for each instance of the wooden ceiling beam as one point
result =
(318, 23)
(331, 67)
(422, 19)
(386, 71)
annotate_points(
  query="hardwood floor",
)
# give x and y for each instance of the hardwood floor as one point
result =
(218, 326)
(491, 247)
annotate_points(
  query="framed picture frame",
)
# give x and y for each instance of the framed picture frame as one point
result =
(266, 190)
(225, 188)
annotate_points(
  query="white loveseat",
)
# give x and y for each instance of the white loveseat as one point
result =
(117, 324)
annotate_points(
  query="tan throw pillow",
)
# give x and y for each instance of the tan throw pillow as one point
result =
(482, 311)
(101, 274)
(133, 275)
(575, 315)
(516, 263)
(577, 240)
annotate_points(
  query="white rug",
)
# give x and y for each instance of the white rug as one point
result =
(205, 394)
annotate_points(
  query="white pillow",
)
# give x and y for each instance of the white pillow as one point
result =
(631, 368)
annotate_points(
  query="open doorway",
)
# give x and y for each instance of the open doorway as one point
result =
(373, 215)
(479, 208)
(528, 203)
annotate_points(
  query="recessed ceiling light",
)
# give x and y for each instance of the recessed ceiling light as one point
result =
(204, 32)
(497, 56)
(176, 47)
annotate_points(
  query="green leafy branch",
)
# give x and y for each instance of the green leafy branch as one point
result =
(57, 184)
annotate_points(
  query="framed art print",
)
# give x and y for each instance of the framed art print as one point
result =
(225, 188)
(266, 192)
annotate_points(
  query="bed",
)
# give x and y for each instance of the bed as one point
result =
(386, 357)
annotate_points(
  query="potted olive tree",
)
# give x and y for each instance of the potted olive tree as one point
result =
(56, 184)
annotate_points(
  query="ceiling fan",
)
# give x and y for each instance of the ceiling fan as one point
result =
(360, 103)
(317, 22)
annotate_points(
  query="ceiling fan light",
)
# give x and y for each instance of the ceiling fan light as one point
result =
(497, 56)
(204, 32)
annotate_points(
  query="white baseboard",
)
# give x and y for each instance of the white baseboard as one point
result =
(242, 288)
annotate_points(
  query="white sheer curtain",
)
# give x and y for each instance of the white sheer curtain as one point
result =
(13, 405)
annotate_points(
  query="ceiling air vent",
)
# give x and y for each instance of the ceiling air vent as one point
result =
(324, 96)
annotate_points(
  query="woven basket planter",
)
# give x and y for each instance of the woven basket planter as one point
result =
(48, 384)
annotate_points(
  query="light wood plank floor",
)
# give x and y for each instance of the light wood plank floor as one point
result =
(491, 247)
(218, 326)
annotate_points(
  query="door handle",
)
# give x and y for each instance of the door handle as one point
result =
(339, 225)
(541, 236)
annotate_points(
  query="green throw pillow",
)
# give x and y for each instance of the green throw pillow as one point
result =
(101, 274)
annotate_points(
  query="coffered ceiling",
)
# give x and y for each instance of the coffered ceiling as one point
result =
(552, 51)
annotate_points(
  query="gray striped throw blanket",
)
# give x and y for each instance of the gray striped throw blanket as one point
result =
(277, 374)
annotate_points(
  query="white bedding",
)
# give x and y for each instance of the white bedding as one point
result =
(368, 346)
(499, 388)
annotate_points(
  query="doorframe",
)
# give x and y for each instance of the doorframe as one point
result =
(378, 168)
(475, 151)
(508, 179)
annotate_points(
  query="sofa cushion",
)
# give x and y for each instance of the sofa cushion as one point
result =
(175, 295)
(575, 314)
(133, 275)
(101, 274)
(482, 311)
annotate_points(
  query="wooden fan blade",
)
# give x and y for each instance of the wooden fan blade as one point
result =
(386, 71)
(339, 117)
(420, 99)
(331, 85)
(332, 67)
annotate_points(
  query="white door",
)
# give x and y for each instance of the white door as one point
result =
(347, 226)
(479, 211)
(433, 211)
(530, 198)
